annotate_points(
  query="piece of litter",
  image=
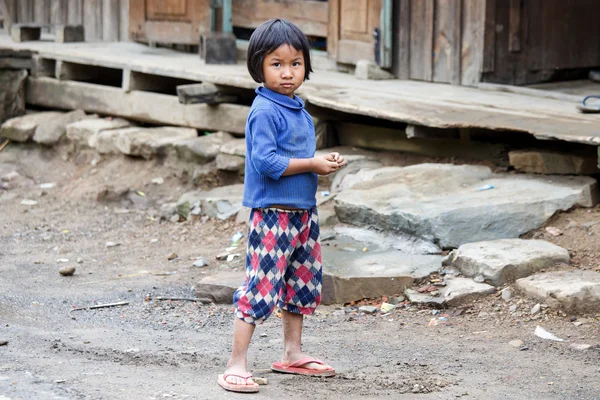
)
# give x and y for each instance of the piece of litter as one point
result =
(387, 307)
(236, 237)
(554, 231)
(230, 249)
(544, 334)
(200, 263)
(62, 260)
(325, 193)
(231, 257)
(172, 257)
(112, 244)
(365, 249)
(27, 202)
(158, 181)
(485, 187)
(47, 185)
(140, 193)
(260, 381)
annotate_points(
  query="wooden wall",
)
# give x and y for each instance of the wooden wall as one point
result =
(104, 20)
(439, 40)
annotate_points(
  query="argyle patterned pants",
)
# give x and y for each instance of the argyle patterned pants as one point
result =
(283, 264)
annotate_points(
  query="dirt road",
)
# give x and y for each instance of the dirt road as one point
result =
(153, 349)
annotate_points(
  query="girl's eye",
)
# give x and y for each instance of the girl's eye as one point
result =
(276, 64)
(296, 64)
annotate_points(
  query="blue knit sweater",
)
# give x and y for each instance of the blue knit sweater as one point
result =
(278, 128)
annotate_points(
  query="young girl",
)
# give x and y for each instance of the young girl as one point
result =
(283, 258)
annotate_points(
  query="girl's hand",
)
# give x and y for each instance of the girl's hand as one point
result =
(325, 165)
(338, 158)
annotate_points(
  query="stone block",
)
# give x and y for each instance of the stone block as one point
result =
(366, 69)
(83, 132)
(549, 163)
(574, 291)
(506, 260)
(53, 130)
(150, 142)
(25, 32)
(234, 147)
(201, 149)
(15, 63)
(452, 205)
(226, 162)
(218, 48)
(69, 33)
(12, 94)
(105, 142)
(220, 287)
(22, 129)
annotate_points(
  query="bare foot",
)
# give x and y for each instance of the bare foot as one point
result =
(238, 369)
(293, 357)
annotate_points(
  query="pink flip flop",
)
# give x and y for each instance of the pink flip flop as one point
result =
(232, 387)
(298, 369)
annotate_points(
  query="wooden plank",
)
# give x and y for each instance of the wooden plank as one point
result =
(110, 20)
(421, 39)
(514, 26)
(473, 17)
(92, 20)
(446, 49)
(140, 106)
(42, 11)
(489, 37)
(205, 93)
(59, 12)
(354, 14)
(401, 26)
(11, 6)
(350, 51)
(75, 16)
(137, 19)
(6, 15)
(312, 17)
(24, 11)
(124, 21)
(333, 29)
(170, 32)
(379, 138)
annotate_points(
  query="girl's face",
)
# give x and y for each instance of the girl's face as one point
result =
(283, 69)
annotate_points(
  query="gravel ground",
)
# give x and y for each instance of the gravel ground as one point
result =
(154, 349)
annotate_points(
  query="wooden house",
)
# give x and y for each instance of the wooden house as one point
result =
(461, 42)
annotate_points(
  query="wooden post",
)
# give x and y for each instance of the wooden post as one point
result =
(7, 19)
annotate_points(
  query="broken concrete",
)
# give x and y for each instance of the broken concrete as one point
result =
(220, 287)
(354, 275)
(452, 205)
(227, 162)
(12, 94)
(82, 133)
(574, 291)
(223, 202)
(149, 142)
(201, 149)
(22, 129)
(53, 130)
(553, 163)
(506, 260)
(456, 292)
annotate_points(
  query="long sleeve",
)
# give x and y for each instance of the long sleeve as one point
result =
(263, 125)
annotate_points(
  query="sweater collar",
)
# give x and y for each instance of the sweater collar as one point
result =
(295, 104)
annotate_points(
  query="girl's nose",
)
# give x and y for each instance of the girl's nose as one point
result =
(286, 72)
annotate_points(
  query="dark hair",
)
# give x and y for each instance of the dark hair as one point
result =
(268, 37)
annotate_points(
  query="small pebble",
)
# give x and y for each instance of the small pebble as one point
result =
(536, 309)
(3, 342)
(516, 343)
(66, 271)
(261, 381)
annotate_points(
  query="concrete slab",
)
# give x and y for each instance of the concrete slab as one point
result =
(451, 205)
(220, 286)
(506, 260)
(82, 133)
(456, 292)
(201, 149)
(22, 129)
(574, 291)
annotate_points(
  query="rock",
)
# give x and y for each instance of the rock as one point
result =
(222, 202)
(22, 129)
(505, 260)
(243, 216)
(461, 290)
(397, 300)
(149, 142)
(553, 163)
(226, 162)
(424, 299)
(66, 271)
(83, 132)
(260, 381)
(200, 263)
(3, 342)
(507, 294)
(404, 243)
(234, 147)
(201, 149)
(349, 276)
(366, 69)
(581, 347)
(441, 203)
(368, 309)
(516, 343)
(536, 309)
(513, 308)
(574, 291)
(158, 181)
(54, 129)
(29, 202)
(387, 307)
(219, 288)
(167, 210)
(12, 94)
(105, 142)
(172, 257)
(479, 278)
(112, 244)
